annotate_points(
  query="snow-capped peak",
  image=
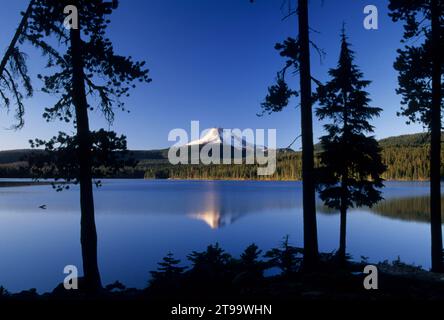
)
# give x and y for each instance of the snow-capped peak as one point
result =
(214, 135)
(225, 137)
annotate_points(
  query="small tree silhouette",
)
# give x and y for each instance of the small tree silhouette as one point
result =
(212, 261)
(249, 268)
(286, 257)
(211, 269)
(249, 259)
(168, 272)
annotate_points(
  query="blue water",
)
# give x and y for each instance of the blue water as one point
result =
(139, 221)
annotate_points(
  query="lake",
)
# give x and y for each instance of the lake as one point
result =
(139, 221)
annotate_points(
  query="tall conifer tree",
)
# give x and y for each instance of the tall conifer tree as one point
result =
(351, 165)
(297, 53)
(420, 67)
(88, 75)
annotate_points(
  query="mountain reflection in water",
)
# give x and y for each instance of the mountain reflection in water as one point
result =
(218, 209)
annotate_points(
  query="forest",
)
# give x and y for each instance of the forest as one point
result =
(406, 158)
(403, 163)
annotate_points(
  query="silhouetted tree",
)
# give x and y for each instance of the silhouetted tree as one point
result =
(286, 257)
(12, 68)
(86, 65)
(351, 164)
(297, 53)
(116, 285)
(212, 268)
(420, 70)
(60, 161)
(213, 260)
(250, 256)
(168, 273)
(250, 263)
(3, 292)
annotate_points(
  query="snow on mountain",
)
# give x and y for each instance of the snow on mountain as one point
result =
(214, 135)
(226, 138)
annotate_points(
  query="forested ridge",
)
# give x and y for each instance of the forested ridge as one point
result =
(406, 158)
(403, 163)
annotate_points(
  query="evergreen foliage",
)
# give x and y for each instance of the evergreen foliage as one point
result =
(351, 165)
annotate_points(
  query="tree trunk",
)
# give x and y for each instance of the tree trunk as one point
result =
(435, 145)
(342, 235)
(88, 234)
(342, 231)
(308, 183)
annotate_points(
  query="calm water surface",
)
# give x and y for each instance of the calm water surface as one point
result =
(139, 221)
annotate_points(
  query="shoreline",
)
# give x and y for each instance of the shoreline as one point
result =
(17, 183)
(398, 281)
(12, 183)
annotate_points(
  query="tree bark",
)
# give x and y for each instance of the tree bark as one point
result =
(88, 234)
(435, 145)
(344, 180)
(343, 229)
(308, 183)
(342, 235)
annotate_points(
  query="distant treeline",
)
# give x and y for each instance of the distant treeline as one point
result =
(406, 158)
(403, 163)
(288, 168)
(408, 163)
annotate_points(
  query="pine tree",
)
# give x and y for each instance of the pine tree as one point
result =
(86, 67)
(169, 268)
(286, 257)
(351, 164)
(212, 265)
(297, 53)
(250, 262)
(420, 70)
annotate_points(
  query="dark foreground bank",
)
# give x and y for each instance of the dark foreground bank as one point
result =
(400, 291)
(217, 279)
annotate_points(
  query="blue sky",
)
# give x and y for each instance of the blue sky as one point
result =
(212, 61)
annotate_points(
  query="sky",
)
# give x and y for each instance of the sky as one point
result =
(212, 61)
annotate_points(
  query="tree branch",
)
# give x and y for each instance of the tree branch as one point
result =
(17, 34)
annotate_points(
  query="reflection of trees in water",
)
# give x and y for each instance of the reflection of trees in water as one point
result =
(407, 208)
(411, 209)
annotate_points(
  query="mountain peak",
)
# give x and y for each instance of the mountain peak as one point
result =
(225, 137)
(214, 135)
